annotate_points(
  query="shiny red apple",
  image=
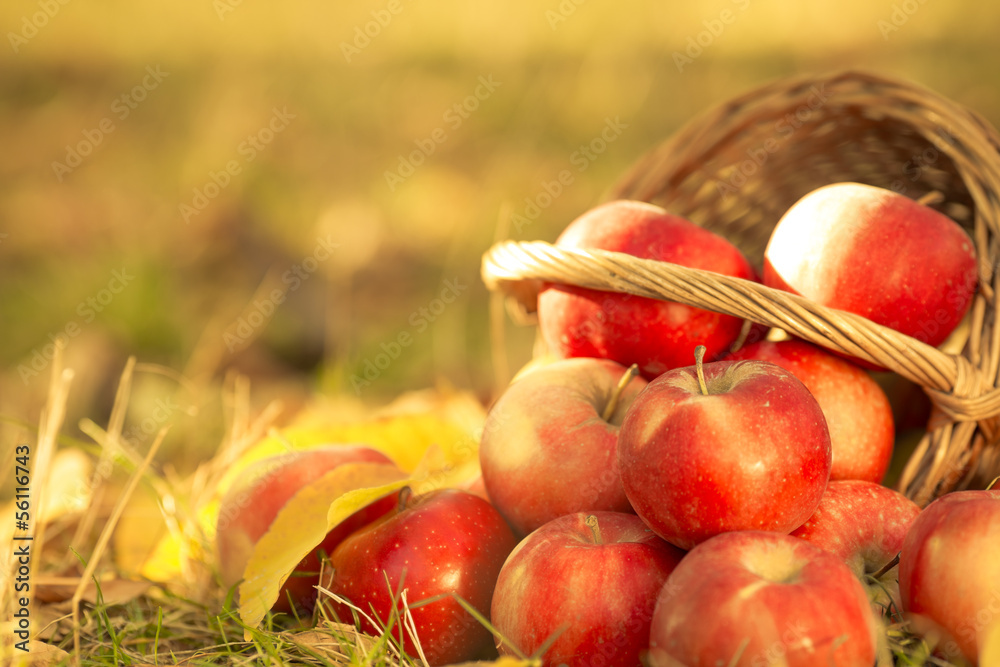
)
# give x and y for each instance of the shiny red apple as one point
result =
(657, 335)
(744, 447)
(550, 442)
(434, 546)
(588, 581)
(752, 598)
(857, 411)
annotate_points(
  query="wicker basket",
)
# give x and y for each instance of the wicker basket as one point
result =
(736, 169)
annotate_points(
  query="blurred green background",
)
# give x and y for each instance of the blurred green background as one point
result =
(292, 190)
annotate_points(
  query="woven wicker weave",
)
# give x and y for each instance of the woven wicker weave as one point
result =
(736, 169)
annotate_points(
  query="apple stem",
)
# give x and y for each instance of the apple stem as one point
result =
(609, 409)
(594, 528)
(699, 360)
(995, 484)
(932, 197)
(888, 566)
(404, 497)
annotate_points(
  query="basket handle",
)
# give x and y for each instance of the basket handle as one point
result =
(957, 387)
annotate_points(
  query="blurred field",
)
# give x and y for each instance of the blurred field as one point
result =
(297, 261)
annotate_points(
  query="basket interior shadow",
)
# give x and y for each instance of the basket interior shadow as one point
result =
(736, 169)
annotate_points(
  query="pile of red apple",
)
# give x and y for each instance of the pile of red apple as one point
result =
(648, 507)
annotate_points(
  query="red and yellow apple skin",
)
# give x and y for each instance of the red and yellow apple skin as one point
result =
(752, 598)
(441, 544)
(878, 254)
(251, 505)
(857, 411)
(753, 454)
(547, 451)
(949, 571)
(597, 594)
(657, 335)
(865, 524)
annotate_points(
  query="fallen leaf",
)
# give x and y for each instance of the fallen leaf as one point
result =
(404, 439)
(174, 555)
(66, 489)
(405, 431)
(322, 505)
(140, 528)
(299, 527)
(49, 619)
(113, 591)
(505, 661)
(989, 652)
(335, 640)
(68, 486)
(40, 654)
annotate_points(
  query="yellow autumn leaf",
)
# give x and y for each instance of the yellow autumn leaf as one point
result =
(172, 557)
(989, 652)
(39, 654)
(404, 431)
(300, 526)
(433, 472)
(403, 438)
(504, 661)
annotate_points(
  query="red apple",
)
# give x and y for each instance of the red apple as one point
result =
(250, 506)
(863, 523)
(437, 545)
(590, 580)
(857, 411)
(755, 598)
(876, 253)
(949, 571)
(547, 447)
(657, 335)
(746, 447)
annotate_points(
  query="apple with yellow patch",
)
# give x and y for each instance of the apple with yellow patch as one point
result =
(752, 598)
(550, 442)
(949, 573)
(877, 253)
